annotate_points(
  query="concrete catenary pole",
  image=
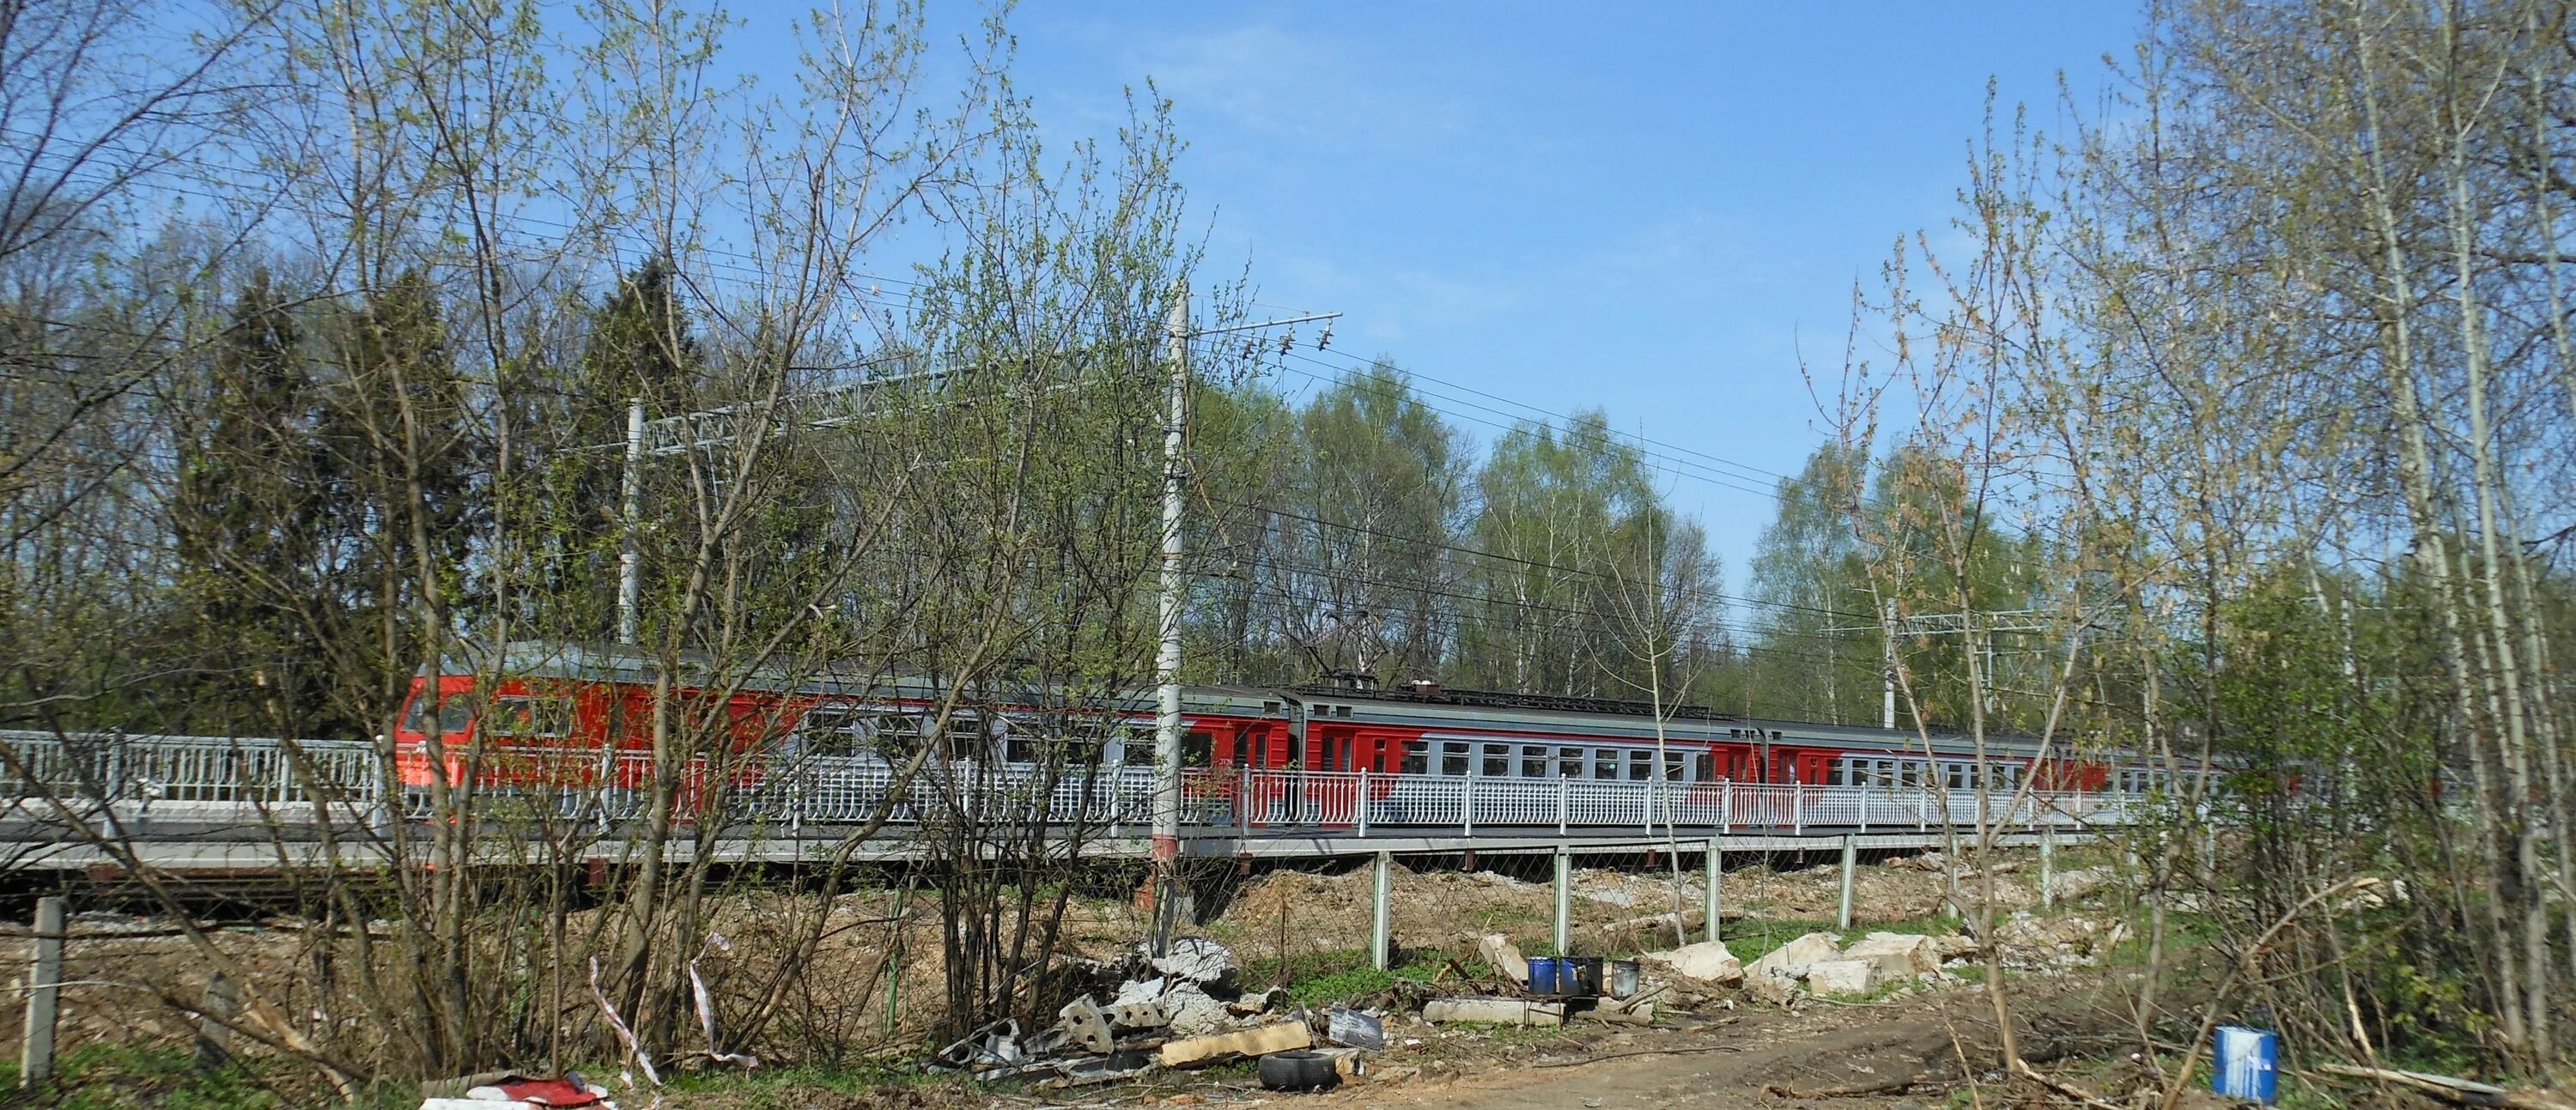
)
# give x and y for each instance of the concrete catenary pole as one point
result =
(628, 577)
(1167, 661)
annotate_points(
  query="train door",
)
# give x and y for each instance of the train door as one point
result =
(1337, 750)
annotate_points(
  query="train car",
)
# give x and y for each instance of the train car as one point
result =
(567, 716)
(572, 716)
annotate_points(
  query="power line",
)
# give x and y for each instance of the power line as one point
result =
(1499, 557)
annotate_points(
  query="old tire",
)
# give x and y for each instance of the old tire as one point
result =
(1298, 1070)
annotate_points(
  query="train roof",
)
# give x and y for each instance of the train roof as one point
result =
(1424, 704)
(1434, 694)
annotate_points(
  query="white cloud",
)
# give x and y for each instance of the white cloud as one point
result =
(1268, 80)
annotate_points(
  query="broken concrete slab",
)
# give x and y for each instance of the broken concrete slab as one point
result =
(1707, 961)
(1842, 977)
(1082, 1021)
(2074, 886)
(1505, 957)
(1494, 1011)
(1196, 1051)
(1789, 961)
(1896, 954)
(1102, 1069)
(1642, 1014)
(1774, 989)
(1136, 1015)
(1196, 959)
(1191, 1012)
(1261, 1002)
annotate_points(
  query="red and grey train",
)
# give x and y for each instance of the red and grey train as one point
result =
(573, 705)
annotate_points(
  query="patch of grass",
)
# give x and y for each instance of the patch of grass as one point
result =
(795, 1088)
(1751, 940)
(127, 1077)
(1332, 976)
(1930, 925)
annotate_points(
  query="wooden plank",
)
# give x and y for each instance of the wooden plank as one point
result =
(1194, 1051)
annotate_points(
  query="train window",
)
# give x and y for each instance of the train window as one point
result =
(1641, 765)
(1605, 763)
(1497, 761)
(1701, 767)
(1569, 763)
(522, 715)
(453, 715)
(1417, 757)
(1533, 761)
(1198, 749)
(1676, 766)
(1453, 758)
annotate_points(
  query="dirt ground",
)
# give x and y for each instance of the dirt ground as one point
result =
(130, 977)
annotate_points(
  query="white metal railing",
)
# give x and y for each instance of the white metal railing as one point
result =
(176, 770)
(145, 771)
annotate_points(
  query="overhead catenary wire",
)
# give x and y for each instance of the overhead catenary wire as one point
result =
(1535, 564)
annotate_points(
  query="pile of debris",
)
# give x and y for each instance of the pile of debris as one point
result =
(1817, 963)
(2043, 943)
(1182, 1009)
(1510, 998)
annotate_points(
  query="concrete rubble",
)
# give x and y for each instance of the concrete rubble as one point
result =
(1494, 1011)
(1504, 957)
(1896, 955)
(1831, 978)
(1790, 961)
(1175, 1010)
(2079, 884)
(1707, 961)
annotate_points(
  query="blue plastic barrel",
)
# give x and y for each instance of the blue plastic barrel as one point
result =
(1580, 976)
(1547, 975)
(2248, 1064)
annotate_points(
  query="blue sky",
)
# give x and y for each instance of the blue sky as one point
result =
(1650, 209)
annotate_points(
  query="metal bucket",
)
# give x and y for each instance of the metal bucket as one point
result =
(1547, 975)
(2247, 1064)
(1619, 978)
(1582, 976)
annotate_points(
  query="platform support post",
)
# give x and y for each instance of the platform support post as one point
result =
(2047, 866)
(1564, 896)
(1385, 886)
(1362, 802)
(1715, 861)
(1851, 862)
(44, 995)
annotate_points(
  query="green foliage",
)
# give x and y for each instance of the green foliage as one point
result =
(1336, 976)
(124, 1077)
